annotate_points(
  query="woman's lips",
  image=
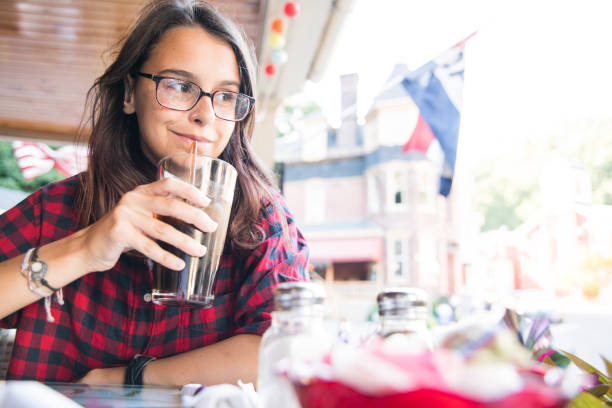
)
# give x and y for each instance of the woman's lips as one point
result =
(191, 138)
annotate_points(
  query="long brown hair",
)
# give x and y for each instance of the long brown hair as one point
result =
(117, 163)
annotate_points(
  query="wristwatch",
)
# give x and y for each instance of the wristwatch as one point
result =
(38, 271)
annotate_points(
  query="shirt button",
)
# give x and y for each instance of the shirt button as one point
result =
(147, 297)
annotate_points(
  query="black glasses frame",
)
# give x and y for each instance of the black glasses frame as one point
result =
(157, 78)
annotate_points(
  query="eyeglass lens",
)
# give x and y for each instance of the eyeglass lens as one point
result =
(183, 95)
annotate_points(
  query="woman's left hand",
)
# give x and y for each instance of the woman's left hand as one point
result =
(103, 376)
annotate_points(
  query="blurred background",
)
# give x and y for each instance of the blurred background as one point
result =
(362, 149)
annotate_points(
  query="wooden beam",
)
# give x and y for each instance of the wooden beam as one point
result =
(38, 130)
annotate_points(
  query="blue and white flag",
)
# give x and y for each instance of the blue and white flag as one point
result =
(437, 89)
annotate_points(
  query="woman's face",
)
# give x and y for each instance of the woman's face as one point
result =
(187, 53)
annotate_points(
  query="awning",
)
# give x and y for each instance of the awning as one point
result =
(346, 250)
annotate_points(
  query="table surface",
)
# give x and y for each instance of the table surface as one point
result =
(120, 396)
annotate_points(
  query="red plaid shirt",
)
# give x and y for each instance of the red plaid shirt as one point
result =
(105, 319)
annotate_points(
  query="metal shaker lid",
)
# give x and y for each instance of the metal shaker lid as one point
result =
(402, 301)
(292, 295)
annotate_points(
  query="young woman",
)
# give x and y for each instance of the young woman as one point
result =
(93, 233)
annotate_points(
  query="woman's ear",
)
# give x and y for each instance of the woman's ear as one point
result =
(128, 97)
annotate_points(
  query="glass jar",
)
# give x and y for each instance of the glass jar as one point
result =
(296, 338)
(402, 316)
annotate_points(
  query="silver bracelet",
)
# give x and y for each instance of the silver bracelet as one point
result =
(34, 282)
(27, 273)
(25, 262)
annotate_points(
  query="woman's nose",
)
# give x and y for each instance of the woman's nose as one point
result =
(203, 112)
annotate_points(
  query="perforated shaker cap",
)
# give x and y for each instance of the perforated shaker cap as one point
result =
(293, 295)
(403, 301)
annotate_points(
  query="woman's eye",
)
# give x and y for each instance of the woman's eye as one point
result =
(183, 87)
(226, 97)
(179, 86)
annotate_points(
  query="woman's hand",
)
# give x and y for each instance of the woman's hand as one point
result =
(133, 224)
(104, 376)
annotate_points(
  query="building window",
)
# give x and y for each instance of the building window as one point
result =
(397, 270)
(373, 194)
(398, 248)
(427, 187)
(398, 190)
(398, 197)
(398, 259)
(332, 137)
(399, 185)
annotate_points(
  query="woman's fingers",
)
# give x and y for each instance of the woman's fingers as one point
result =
(176, 208)
(153, 251)
(165, 232)
(174, 232)
(166, 211)
(166, 197)
(178, 188)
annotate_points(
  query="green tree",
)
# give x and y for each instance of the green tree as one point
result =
(291, 112)
(506, 193)
(588, 141)
(11, 176)
(507, 185)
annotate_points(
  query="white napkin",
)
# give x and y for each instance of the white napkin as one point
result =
(218, 396)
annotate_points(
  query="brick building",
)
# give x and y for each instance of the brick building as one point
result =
(370, 212)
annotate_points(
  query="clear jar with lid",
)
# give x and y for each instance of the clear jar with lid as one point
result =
(296, 337)
(402, 316)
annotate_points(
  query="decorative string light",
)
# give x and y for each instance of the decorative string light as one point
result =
(291, 9)
(278, 26)
(279, 57)
(271, 69)
(277, 40)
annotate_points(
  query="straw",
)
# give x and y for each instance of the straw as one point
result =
(191, 274)
(192, 168)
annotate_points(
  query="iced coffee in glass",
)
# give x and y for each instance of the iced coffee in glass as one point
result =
(194, 285)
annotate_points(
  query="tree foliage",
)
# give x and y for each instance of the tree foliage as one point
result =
(11, 176)
(507, 185)
(291, 112)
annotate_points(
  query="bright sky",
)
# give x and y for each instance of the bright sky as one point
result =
(532, 63)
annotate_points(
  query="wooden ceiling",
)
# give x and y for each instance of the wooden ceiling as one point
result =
(52, 50)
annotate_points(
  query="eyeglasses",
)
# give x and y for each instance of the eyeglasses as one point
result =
(178, 94)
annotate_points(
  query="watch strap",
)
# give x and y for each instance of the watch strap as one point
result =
(38, 270)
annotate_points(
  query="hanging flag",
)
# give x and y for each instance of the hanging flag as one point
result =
(437, 88)
(421, 138)
(36, 159)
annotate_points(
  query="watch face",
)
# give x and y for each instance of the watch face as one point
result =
(38, 269)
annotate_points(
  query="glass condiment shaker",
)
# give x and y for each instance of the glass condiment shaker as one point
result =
(296, 338)
(402, 316)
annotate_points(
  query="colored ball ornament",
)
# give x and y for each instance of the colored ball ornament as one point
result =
(279, 57)
(278, 26)
(277, 41)
(270, 70)
(291, 9)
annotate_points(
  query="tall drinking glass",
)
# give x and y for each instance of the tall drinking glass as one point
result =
(194, 285)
